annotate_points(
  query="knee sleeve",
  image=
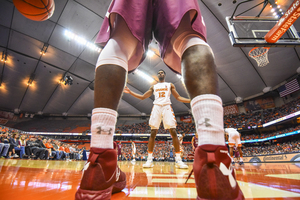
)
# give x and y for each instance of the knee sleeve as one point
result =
(186, 40)
(112, 53)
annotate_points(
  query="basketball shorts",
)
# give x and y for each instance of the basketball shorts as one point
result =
(234, 139)
(158, 17)
(133, 151)
(162, 113)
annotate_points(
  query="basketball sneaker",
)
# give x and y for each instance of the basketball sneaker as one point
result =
(179, 164)
(149, 163)
(214, 176)
(241, 162)
(101, 176)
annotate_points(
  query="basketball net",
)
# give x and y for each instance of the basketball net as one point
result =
(260, 55)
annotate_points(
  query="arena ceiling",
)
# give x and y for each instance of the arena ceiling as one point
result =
(23, 39)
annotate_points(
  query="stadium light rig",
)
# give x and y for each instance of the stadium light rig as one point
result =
(4, 56)
(44, 49)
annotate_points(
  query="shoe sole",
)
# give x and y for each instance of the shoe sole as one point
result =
(214, 185)
(118, 186)
(148, 166)
(181, 167)
(93, 195)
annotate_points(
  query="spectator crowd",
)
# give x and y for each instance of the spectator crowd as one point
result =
(18, 144)
(14, 144)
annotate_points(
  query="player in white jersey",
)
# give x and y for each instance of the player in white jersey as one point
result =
(133, 151)
(234, 138)
(162, 110)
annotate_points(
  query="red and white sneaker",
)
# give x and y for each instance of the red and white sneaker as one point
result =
(101, 176)
(214, 176)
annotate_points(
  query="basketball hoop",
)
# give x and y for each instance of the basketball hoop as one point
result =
(260, 54)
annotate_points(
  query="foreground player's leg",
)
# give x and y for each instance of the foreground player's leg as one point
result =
(178, 160)
(102, 176)
(151, 144)
(212, 166)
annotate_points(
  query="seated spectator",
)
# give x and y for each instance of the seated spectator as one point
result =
(55, 148)
(13, 146)
(49, 147)
(67, 150)
(22, 145)
(62, 148)
(74, 155)
(5, 144)
(35, 147)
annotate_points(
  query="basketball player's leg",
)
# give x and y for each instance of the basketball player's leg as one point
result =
(170, 123)
(110, 78)
(200, 77)
(239, 147)
(151, 142)
(231, 153)
(154, 123)
(175, 140)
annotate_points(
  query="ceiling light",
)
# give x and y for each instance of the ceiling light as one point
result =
(238, 99)
(82, 41)
(145, 76)
(267, 89)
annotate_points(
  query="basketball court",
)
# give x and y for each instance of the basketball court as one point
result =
(59, 180)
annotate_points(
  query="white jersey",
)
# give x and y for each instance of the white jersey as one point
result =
(162, 93)
(233, 137)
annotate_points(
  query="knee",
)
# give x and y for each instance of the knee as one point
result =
(199, 53)
(153, 134)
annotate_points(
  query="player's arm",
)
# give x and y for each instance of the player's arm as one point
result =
(226, 135)
(139, 96)
(193, 138)
(177, 96)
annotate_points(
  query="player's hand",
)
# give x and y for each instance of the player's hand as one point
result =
(126, 90)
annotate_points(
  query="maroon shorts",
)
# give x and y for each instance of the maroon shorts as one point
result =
(144, 17)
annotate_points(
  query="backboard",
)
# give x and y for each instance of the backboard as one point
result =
(247, 31)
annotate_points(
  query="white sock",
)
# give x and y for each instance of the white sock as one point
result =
(208, 115)
(177, 156)
(149, 155)
(103, 127)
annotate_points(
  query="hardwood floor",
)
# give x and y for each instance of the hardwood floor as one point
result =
(59, 180)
